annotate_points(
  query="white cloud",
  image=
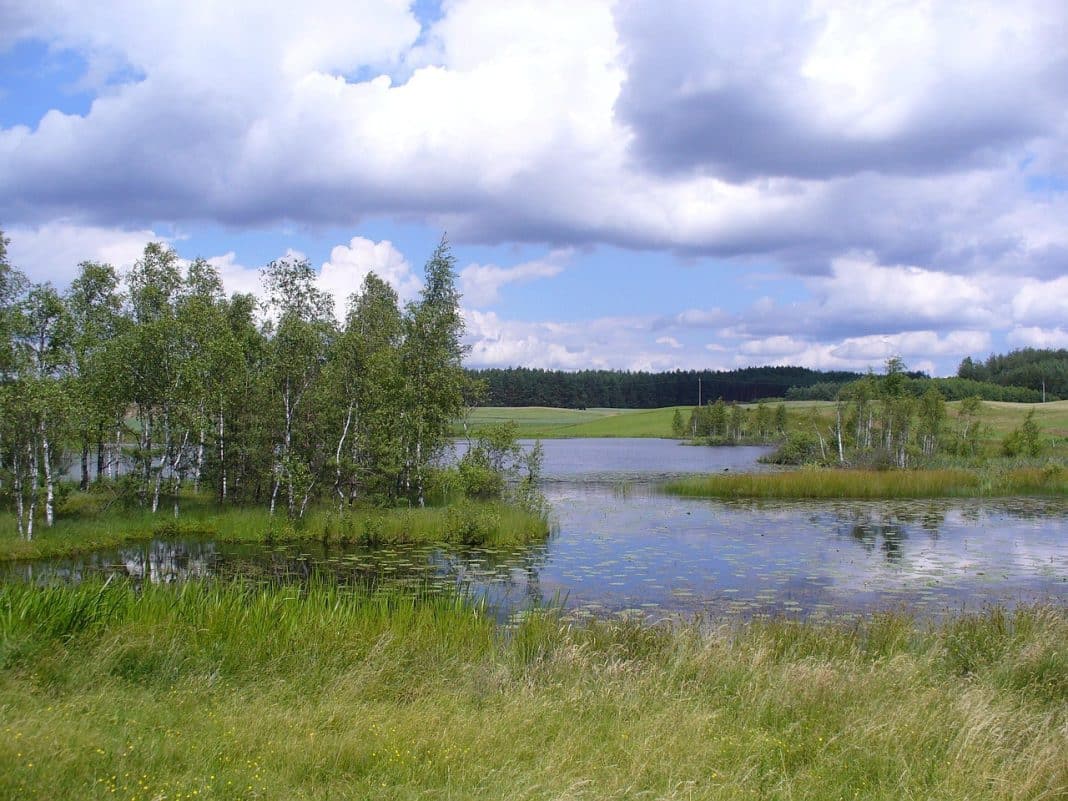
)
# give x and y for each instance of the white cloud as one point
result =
(1037, 337)
(1042, 302)
(349, 265)
(519, 121)
(882, 152)
(669, 342)
(237, 277)
(53, 251)
(481, 283)
(861, 290)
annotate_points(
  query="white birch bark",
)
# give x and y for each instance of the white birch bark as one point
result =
(50, 493)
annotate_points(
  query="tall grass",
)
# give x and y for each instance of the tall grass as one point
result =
(489, 523)
(834, 483)
(224, 691)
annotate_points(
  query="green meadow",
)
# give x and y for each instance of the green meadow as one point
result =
(463, 523)
(540, 422)
(998, 419)
(241, 692)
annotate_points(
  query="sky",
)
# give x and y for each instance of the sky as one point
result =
(633, 185)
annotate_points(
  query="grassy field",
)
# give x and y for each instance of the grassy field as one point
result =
(225, 692)
(832, 483)
(487, 523)
(999, 418)
(548, 423)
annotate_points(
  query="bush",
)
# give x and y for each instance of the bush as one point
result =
(469, 524)
(81, 505)
(1025, 440)
(800, 447)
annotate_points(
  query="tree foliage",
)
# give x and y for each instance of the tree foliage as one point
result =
(171, 385)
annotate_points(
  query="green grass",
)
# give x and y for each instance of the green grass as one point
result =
(853, 483)
(231, 692)
(488, 523)
(547, 423)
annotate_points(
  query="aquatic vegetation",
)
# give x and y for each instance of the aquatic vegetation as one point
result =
(487, 522)
(852, 483)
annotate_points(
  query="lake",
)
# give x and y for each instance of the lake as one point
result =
(620, 547)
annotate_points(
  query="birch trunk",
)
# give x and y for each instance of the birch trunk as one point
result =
(200, 455)
(20, 507)
(34, 475)
(100, 454)
(50, 493)
(116, 450)
(287, 442)
(222, 461)
(162, 460)
(177, 469)
(337, 459)
(146, 455)
(838, 431)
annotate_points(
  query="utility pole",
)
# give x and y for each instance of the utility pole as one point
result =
(698, 392)
(1043, 389)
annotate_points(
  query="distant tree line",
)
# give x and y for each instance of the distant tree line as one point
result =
(917, 384)
(885, 421)
(881, 421)
(1033, 368)
(581, 389)
(157, 380)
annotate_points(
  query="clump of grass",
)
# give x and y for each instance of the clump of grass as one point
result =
(469, 522)
(841, 483)
(238, 691)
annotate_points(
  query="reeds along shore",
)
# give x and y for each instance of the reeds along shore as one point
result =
(850, 483)
(465, 523)
(237, 691)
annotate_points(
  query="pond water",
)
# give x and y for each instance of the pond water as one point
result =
(620, 547)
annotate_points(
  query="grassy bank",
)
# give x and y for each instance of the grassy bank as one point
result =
(836, 483)
(210, 691)
(486, 523)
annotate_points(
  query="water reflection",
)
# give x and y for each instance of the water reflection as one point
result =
(621, 547)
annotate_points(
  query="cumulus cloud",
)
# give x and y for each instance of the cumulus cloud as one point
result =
(1038, 337)
(349, 265)
(1042, 302)
(800, 130)
(481, 283)
(835, 88)
(599, 343)
(905, 161)
(53, 251)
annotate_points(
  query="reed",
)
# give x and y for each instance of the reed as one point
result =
(468, 522)
(237, 691)
(844, 483)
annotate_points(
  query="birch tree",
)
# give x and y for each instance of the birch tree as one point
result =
(95, 307)
(297, 352)
(432, 361)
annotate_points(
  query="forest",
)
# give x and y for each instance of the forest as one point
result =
(523, 386)
(1017, 377)
(1040, 369)
(157, 381)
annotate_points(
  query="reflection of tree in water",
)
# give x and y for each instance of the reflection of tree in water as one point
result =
(500, 573)
(873, 528)
(164, 562)
(890, 538)
(158, 562)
